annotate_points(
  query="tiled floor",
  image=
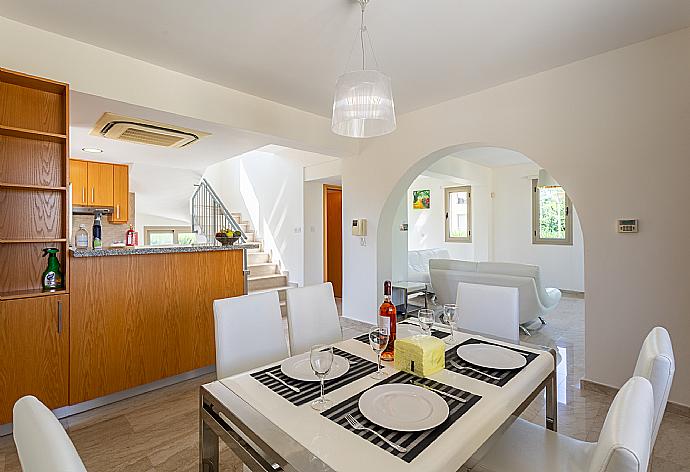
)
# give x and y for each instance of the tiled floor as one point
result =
(158, 431)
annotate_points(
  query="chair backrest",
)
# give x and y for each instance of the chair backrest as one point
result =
(249, 333)
(657, 364)
(42, 443)
(312, 317)
(489, 309)
(624, 441)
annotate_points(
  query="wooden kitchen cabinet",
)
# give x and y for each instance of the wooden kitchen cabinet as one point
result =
(120, 194)
(79, 178)
(100, 187)
(34, 351)
(157, 323)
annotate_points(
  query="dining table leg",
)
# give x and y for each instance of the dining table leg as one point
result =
(552, 396)
(208, 446)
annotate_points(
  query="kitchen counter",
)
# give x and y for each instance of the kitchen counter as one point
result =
(128, 251)
(147, 314)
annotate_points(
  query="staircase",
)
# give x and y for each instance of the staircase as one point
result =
(264, 274)
(209, 215)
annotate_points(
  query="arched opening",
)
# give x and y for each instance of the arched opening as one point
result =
(504, 216)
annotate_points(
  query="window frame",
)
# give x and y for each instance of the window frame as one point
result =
(536, 239)
(175, 230)
(446, 194)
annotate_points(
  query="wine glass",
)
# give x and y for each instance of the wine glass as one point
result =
(378, 340)
(449, 311)
(321, 359)
(426, 320)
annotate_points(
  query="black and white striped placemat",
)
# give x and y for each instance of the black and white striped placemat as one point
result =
(504, 376)
(310, 391)
(416, 441)
(434, 332)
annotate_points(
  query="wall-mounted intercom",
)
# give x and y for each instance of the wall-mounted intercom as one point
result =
(359, 227)
(627, 226)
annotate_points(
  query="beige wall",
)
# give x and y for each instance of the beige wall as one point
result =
(614, 130)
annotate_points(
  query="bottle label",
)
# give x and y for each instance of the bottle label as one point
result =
(49, 280)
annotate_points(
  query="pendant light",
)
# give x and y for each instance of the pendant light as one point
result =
(363, 103)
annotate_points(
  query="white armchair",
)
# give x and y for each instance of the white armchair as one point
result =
(418, 263)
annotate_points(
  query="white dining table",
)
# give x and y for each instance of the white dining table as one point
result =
(268, 432)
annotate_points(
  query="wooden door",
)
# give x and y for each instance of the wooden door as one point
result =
(78, 176)
(333, 237)
(120, 194)
(100, 184)
(34, 351)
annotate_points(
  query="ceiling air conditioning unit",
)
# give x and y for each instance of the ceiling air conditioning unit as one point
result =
(135, 130)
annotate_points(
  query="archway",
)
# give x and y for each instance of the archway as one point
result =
(501, 189)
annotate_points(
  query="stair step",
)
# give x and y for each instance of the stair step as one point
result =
(263, 268)
(251, 237)
(258, 257)
(237, 216)
(282, 292)
(263, 282)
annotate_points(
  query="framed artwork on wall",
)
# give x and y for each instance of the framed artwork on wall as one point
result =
(421, 199)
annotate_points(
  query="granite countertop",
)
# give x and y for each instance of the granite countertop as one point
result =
(128, 251)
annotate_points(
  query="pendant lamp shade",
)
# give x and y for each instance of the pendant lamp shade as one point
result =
(363, 105)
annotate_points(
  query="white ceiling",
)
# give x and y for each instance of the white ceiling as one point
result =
(492, 157)
(292, 51)
(223, 143)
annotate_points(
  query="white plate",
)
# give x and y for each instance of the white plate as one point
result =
(299, 368)
(492, 357)
(403, 407)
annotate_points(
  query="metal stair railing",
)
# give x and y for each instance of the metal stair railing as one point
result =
(210, 214)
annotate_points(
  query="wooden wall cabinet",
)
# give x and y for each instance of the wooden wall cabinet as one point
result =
(99, 184)
(79, 178)
(120, 194)
(34, 351)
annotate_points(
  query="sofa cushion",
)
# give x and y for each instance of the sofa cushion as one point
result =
(452, 264)
(522, 270)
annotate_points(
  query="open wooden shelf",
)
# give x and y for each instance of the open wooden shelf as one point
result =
(33, 240)
(31, 134)
(30, 294)
(30, 187)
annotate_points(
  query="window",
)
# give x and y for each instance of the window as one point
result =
(458, 203)
(551, 216)
(167, 235)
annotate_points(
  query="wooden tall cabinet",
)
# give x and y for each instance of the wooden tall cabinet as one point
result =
(34, 339)
(34, 143)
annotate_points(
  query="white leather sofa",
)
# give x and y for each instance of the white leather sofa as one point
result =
(536, 301)
(418, 264)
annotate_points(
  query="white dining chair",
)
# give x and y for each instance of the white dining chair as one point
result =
(623, 446)
(42, 443)
(657, 364)
(312, 317)
(249, 333)
(489, 309)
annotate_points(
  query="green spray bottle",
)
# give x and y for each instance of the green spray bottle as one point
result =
(52, 277)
